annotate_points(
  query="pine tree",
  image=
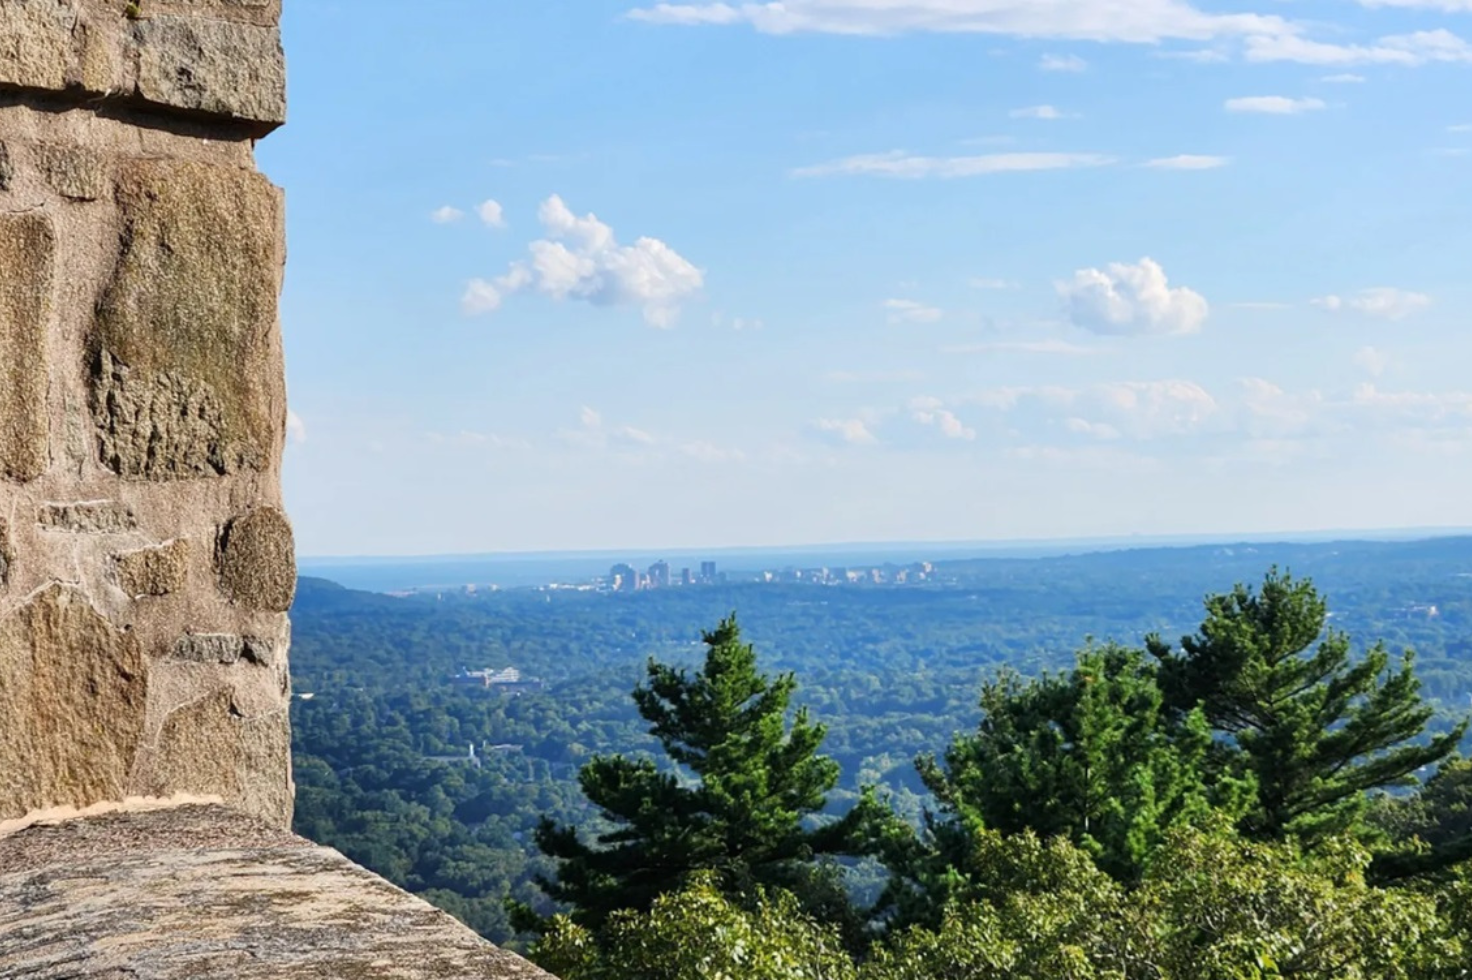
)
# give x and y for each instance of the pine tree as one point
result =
(1313, 726)
(737, 803)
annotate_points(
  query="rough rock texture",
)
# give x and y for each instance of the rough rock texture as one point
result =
(188, 360)
(28, 263)
(216, 60)
(71, 704)
(157, 571)
(257, 563)
(212, 66)
(142, 406)
(201, 891)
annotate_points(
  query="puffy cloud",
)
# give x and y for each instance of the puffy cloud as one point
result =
(1126, 300)
(581, 259)
(296, 429)
(911, 311)
(1139, 21)
(1189, 161)
(909, 166)
(1274, 105)
(932, 412)
(492, 214)
(1407, 50)
(855, 432)
(446, 215)
(1062, 62)
(1372, 361)
(1383, 303)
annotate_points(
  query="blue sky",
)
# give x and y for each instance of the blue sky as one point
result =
(597, 274)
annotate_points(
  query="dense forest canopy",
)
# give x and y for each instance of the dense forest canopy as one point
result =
(892, 674)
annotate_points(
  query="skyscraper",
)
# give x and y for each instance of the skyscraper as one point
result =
(659, 575)
(707, 573)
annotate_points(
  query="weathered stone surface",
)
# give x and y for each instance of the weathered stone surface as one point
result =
(211, 748)
(258, 560)
(188, 381)
(35, 43)
(201, 891)
(213, 66)
(7, 168)
(27, 283)
(72, 171)
(72, 705)
(224, 648)
(88, 517)
(7, 555)
(154, 571)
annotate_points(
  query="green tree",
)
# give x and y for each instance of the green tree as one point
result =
(741, 801)
(1314, 727)
(1090, 755)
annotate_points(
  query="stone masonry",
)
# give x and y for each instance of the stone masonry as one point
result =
(145, 563)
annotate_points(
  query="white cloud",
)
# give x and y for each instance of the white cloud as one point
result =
(1139, 21)
(487, 440)
(855, 432)
(1039, 112)
(1448, 6)
(594, 433)
(581, 259)
(1189, 161)
(1058, 347)
(908, 166)
(980, 282)
(1062, 62)
(1096, 430)
(1123, 409)
(1127, 300)
(1372, 361)
(1343, 79)
(1460, 128)
(446, 215)
(932, 412)
(1383, 303)
(911, 311)
(1275, 105)
(296, 429)
(1408, 50)
(492, 214)
(707, 452)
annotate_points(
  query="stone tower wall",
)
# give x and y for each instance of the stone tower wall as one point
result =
(146, 566)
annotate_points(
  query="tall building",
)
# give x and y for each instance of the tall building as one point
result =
(659, 575)
(623, 578)
(687, 577)
(708, 573)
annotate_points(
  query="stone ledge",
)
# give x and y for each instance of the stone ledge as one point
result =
(202, 891)
(203, 60)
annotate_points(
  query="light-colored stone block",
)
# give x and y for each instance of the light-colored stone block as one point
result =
(72, 701)
(258, 560)
(154, 571)
(27, 284)
(215, 67)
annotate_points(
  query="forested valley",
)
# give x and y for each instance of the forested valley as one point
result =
(1070, 767)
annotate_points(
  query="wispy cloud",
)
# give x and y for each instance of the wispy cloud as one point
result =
(1062, 62)
(932, 412)
(1407, 50)
(1382, 303)
(911, 311)
(1046, 112)
(854, 432)
(1275, 105)
(1343, 79)
(1054, 347)
(901, 165)
(446, 215)
(1189, 161)
(296, 429)
(873, 377)
(1139, 22)
(981, 282)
